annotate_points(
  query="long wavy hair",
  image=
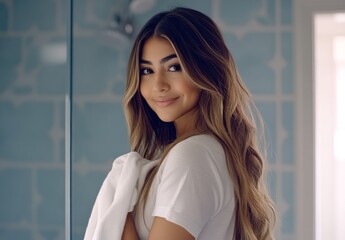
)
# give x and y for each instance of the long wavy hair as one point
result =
(225, 111)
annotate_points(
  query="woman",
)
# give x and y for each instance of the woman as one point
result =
(186, 105)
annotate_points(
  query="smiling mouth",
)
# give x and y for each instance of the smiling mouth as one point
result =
(165, 102)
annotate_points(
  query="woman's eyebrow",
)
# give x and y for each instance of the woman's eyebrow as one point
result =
(163, 60)
(167, 58)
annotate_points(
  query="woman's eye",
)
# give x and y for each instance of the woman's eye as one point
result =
(145, 71)
(175, 68)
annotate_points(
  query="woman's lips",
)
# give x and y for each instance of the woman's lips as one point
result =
(164, 102)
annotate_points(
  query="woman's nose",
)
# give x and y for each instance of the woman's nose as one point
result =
(160, 83)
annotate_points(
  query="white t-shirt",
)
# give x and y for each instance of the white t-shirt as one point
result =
(193, 190)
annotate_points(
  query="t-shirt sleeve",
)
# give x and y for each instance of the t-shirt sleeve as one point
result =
(188, 193)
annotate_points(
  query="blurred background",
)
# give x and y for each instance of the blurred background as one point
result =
(35, 71)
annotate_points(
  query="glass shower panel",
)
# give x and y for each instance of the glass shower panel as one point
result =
(99, 132)
(33, 73)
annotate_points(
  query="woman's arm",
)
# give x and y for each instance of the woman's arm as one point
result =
(163, 229)
(129, 231)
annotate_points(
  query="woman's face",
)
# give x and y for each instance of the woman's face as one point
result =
(164, 85)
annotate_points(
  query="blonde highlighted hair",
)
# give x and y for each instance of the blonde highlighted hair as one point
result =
(224, 111)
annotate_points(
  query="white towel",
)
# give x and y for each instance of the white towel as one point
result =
(117, 197)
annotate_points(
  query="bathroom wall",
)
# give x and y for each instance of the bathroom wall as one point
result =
(33, 80)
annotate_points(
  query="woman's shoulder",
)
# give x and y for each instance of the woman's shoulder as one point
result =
(202, 142)
(196, 149)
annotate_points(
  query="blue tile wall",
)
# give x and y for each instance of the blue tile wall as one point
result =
(288, 212)
(31, 123)
(9, 234)
(10, 57)
(3, 17)
(286, 12)
(91, 54)
(287, 71)
(87, 183)
(99, 132)
(253, 54)
(288, 140)
(51, 234)
(51, 201)
(33, 80)
(40, 14)
(239, 13)
(16, 195)
(202, 5)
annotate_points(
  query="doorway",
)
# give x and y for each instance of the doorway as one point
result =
(329, 75)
